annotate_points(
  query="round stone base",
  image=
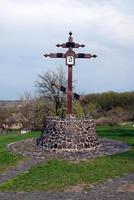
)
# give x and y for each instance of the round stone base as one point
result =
(29, 149)
(69, 134)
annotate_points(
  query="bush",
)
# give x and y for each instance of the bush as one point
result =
(107, 121)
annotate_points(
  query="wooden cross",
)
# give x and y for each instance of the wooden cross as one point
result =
(70, 56)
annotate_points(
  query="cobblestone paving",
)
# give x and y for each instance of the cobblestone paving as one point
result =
(106, 147)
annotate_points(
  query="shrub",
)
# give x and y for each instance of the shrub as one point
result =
(107, 121)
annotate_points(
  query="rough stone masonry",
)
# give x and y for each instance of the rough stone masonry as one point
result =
(69, 134)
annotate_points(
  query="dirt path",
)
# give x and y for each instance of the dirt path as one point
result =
(117, 189)
(19, 169)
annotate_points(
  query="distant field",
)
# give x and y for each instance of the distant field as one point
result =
(56, 175)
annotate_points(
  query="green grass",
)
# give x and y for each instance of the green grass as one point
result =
(57, 175)
(7, 159)
(122, 133)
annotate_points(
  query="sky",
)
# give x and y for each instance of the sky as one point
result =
(31, 28)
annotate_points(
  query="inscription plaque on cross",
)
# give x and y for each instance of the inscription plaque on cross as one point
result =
(70, 57)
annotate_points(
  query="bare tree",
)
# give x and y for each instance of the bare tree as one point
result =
(53, 96)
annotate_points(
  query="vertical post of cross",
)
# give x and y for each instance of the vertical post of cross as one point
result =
(69, 93)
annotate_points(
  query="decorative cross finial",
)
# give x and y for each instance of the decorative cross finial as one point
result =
(70, 39)
(70, 33)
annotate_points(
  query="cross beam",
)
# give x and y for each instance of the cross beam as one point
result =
(82, 99)
(70, 56)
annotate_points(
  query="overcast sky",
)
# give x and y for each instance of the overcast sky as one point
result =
(30, 28)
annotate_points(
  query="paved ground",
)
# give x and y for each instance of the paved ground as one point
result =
(118, 189)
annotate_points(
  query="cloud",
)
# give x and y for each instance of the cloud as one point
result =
(105, 18)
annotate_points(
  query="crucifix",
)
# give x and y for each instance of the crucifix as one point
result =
(70, 56)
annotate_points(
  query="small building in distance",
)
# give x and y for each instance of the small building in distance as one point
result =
(15, 122)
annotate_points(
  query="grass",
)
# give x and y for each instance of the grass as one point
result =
(7, 159)
(57, 175)
(122, 133)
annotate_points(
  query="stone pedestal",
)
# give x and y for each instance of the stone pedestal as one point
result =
(69, 134)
